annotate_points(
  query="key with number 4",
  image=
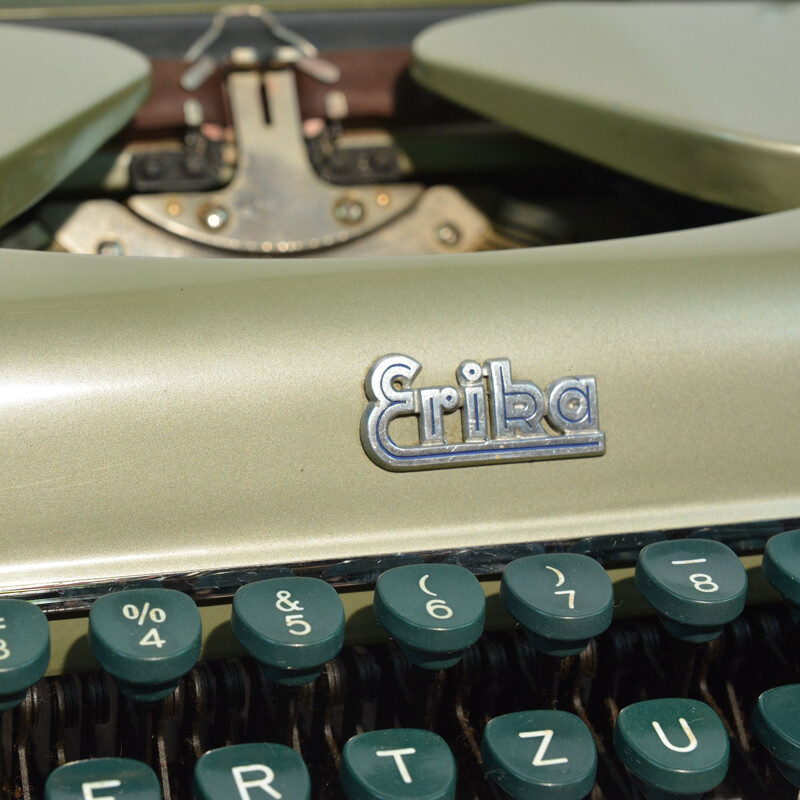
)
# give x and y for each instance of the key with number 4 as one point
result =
(147, 639)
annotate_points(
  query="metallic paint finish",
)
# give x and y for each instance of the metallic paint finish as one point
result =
(693, 96)
(62, 95)
(202, 415)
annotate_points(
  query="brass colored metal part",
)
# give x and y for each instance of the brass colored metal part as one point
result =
(275, 204)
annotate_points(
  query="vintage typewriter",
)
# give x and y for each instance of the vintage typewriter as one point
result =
(399, 401)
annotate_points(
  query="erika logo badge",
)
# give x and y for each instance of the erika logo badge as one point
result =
(501, 419)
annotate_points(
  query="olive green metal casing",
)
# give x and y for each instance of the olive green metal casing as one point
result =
(693, 96)
(162, 418)
(58, 109)
(191, 416)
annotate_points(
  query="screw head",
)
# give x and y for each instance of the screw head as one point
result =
(448, 234)
(153, 166)
(110, 248)
(213, 217)
(348, 210)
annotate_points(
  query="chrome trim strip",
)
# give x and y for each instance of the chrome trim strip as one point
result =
(360, 572)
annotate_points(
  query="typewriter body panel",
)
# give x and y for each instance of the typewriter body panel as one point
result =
(228, 423)
(199, 360)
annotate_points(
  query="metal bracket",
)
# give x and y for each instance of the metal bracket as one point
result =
(443, 221)
(275, 203)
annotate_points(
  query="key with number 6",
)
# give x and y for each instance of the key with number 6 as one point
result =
(434, 611)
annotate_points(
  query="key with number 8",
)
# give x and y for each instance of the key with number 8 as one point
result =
(696, 585)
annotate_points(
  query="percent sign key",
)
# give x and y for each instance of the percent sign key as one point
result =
(147, 639)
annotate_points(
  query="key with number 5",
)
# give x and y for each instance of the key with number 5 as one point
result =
(292, 625)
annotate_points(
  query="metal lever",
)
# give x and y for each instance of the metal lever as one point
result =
(309, 60)
(275, 203)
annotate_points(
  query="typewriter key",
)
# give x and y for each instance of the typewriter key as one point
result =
(24, 649)
(103, 779)
(696, 585)
(562, 600)
(434, 611)
(540, 755)
(777, 725)
(291, 625)
(781, 566)
(251, 772)
(147, 639)
(398, 764)
(676, 748)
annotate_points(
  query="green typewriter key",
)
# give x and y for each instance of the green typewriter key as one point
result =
(103, 779)
(781, 566)
(696, 585)
(676, 748)
(147, 639)
(251, 772)
(540, 755)
(561, 600)
(398, 764)
(434, 611)
(293, 626)
(777, 725)
(24, 649)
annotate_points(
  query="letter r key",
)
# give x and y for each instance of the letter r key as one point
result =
(257, 771)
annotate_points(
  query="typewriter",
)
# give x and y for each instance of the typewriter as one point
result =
(399, 401)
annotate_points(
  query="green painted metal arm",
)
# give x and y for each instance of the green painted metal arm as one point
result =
(61, 96)
(696, 97)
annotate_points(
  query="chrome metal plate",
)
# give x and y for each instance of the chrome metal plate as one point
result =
(501, 419)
